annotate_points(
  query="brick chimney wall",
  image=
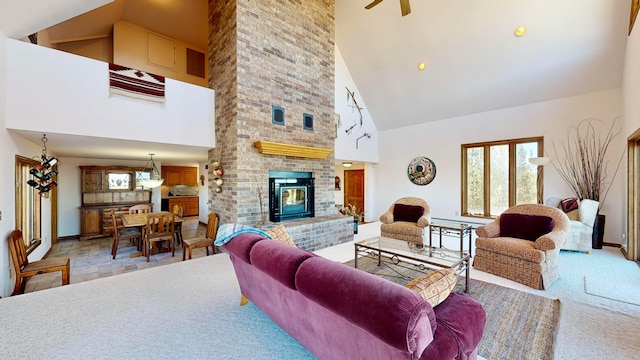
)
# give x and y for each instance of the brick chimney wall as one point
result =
(264, 53)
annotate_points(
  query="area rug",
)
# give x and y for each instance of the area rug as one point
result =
(519, 325)
(620, 290)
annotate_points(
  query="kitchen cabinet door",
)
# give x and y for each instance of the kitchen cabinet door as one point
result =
(190, 177)
(174, 177)
(193, 207)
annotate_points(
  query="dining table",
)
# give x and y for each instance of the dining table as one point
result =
(139, 220)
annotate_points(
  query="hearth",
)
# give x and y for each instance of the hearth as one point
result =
(291, 195)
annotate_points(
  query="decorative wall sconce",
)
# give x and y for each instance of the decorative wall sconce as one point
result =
(155, 179)
(351, 98)
(367, 135)
(43, 180)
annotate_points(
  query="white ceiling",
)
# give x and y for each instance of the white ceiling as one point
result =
(474, 61)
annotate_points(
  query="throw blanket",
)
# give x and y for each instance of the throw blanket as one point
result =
(135, 83)
(226, 232)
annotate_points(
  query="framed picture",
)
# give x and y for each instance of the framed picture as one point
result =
(635, 5)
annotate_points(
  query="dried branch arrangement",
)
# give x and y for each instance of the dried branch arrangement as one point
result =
(581, 160)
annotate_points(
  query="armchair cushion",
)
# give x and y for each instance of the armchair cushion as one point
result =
(523, 226)
(409, 213)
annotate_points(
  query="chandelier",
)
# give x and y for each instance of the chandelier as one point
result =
(155, 180)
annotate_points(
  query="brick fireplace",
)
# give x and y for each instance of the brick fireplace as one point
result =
(276, 55)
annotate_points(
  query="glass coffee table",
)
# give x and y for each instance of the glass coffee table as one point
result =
(401, 256)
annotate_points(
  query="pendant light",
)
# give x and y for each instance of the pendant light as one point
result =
(155, 179)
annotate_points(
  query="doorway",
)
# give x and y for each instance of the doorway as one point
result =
(632, 249)
(354, 189)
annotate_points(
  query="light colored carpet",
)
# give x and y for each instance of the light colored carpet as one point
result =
(602, 285)
(186, 310)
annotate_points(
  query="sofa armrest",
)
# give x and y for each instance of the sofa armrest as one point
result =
(424, 221)
(588, 211)
(489, 230)
(387, 217)
(551, 241)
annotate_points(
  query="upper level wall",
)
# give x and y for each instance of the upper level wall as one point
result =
(133, 46)
(53, 91)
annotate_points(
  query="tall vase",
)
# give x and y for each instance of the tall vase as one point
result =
(355, 226)
(598, 232)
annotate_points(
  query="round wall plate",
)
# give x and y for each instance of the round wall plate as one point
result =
(421, 170)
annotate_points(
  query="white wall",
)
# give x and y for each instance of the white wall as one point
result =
(345, 145)
(440, 141)
(72, 95)
(367, 150)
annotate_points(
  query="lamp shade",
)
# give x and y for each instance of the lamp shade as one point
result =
(539, 161)
(151, 183)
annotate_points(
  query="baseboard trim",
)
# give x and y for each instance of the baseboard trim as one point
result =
(69, 237)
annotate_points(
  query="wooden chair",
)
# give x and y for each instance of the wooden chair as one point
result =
(179, 212)
(140, 209)
(203, 242)
(132, 234)
(160, 227)
(24, 269)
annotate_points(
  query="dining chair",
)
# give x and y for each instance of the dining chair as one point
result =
(25, 269)
(160, 227)
(203, 242)
(179, 212)
(132, 234)
(140, 209)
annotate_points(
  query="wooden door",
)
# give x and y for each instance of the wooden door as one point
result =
(354, 188)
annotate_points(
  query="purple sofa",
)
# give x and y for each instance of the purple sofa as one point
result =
(338, 312)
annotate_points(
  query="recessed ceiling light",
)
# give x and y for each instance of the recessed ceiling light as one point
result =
(520, 30)
(422, 66)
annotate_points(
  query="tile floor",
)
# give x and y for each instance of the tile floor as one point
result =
(91, 259)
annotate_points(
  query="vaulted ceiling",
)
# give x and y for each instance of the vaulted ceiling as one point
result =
(473, 60)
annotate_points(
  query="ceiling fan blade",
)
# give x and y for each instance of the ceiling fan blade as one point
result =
(405, 7)
(374, 3)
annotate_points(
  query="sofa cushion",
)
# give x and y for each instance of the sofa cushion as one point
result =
(407, 319)
(280, 234)
(571, 207)
(278, 261)
(242, 244)
(523, 226)
(435, 286)
(410, 213)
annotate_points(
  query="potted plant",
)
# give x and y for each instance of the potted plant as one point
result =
(351, 210)
(582, 165)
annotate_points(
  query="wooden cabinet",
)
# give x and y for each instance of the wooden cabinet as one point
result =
(180, 175)
(106, 188)
(90, 223)
(190, 205)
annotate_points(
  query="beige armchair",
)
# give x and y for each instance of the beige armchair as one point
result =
(406, 220)
(533, 261)
(582, 220)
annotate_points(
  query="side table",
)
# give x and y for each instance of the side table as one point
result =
(453, 228)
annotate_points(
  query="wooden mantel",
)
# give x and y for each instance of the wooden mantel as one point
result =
(274, 148)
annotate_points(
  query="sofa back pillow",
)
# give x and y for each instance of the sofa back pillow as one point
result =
(523, 226)
(409, 213)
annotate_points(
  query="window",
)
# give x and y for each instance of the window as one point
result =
(497, 175)
(28, 208)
